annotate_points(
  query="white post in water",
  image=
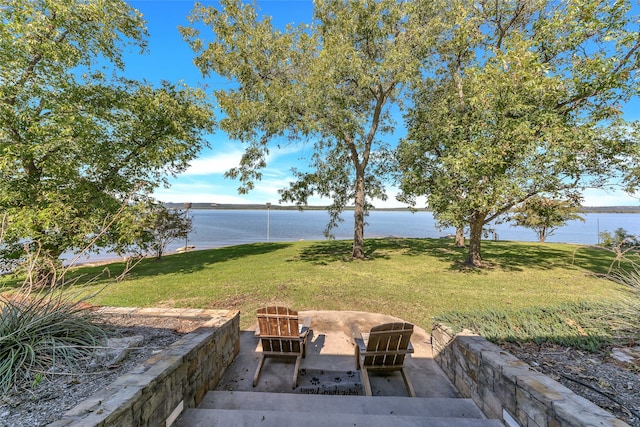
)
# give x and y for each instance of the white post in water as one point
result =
(268, 218)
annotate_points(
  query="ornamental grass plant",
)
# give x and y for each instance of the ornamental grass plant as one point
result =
(43, 333)
(625, 320)
(46, 325)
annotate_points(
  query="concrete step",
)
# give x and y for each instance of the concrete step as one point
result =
(266, 418)
(238, 408)
(375, 405)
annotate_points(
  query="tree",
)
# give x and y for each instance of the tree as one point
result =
(161, 226)
(524, 99)
(620, 238)
(544, 216)
(332, 82)
(76, 140)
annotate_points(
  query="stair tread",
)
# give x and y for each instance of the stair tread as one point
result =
(266, 418)
(373, 405)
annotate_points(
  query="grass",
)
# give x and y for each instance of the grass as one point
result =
(555, 293)
(583, 325)
(414, 279)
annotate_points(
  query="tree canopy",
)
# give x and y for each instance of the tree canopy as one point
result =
(523, 98)
(76, 138)
(331, 82)
(544, 216)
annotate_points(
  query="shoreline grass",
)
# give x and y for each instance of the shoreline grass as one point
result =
(413, 279)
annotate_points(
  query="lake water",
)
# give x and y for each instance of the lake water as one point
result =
(216, 228)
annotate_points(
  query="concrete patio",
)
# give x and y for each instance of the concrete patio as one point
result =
(329, 391)
(205, 379)
(330, 348)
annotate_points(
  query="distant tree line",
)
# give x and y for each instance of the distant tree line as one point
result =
(610, 209)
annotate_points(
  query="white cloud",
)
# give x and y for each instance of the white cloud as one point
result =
(199, 194)
(595, 197)
(214, 163)
(285, 149)
(272, 181)
(227, 154)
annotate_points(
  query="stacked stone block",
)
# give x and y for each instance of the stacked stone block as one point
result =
(506, 388)
(174, 379)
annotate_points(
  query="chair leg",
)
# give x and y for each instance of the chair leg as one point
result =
(357, 357)
(294, 384)
(407, 383)
(257, 375)
(366, 385)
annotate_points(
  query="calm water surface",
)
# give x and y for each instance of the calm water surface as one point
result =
(216, 228)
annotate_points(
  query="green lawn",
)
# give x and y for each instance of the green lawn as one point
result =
(414, 279)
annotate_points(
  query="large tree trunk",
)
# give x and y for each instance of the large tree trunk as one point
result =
(358, 216)
(474, 256)
(460, 237)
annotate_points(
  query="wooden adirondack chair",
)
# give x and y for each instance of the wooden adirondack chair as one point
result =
(281, 336)
(384, 349)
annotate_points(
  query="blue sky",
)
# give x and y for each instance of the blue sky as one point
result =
(170, 58)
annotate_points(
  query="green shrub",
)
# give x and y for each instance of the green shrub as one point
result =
(619, 238)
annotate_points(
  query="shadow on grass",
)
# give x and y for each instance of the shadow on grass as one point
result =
(325, 252)
(517, 256)
(183, 263)
(599, 260)
(503, 255)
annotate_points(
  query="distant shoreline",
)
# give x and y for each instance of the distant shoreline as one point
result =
(256, 206)
(230, 226)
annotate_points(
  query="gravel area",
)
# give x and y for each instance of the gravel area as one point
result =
(598, 377)
(610, 384)
(59, 393)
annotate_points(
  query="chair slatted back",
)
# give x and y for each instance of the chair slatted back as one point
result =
(388, 344)
(279, 330)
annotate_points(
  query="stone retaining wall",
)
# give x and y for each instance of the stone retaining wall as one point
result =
(508, 389)
(159, 389)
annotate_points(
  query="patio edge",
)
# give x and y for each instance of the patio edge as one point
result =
(159, 389)
(508, 389)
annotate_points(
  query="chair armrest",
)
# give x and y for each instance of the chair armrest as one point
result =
(361, 345)
(306, 322)
(303, 330)
(304, 327)
(355, 331)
